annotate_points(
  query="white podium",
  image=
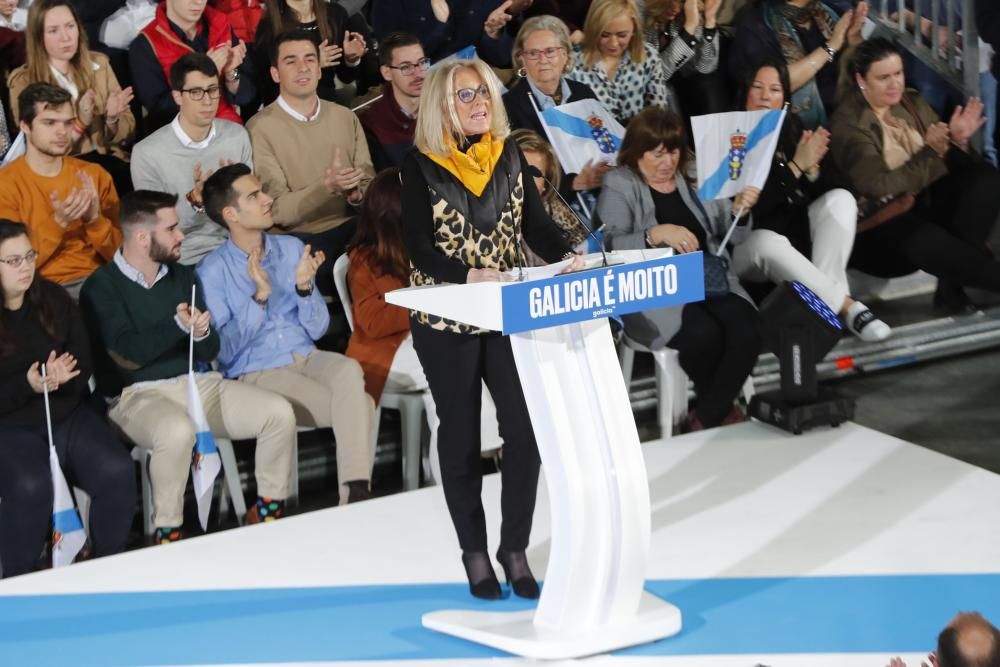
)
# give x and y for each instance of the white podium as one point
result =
(592, 600)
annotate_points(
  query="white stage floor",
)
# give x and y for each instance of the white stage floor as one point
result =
(840, 547)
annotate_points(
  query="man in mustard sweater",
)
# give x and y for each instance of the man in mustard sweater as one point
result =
(69, 206)
(311, 155)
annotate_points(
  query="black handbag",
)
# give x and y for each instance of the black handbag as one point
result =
(716, 275)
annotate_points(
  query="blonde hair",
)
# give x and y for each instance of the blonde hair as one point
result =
(539, 24)
(438, 125)
(531, 141)
(600, 14)
(37, 61)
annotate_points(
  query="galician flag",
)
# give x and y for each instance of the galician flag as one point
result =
(205, 461)
(582, 131)
(67, 529)
(734, 150)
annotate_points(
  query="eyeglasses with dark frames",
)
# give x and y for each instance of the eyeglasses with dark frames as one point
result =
(407, 69)
(535, 54)
(467, 95)
(197, 94)
(15, 261)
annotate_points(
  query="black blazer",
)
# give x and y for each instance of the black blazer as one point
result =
(522, 115)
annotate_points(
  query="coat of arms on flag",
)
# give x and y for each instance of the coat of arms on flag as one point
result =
(580, 132)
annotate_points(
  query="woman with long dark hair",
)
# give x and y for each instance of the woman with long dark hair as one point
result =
(58, 53)
(467, 194)
(343, 42)
(40, 324)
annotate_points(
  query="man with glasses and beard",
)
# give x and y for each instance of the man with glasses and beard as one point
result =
(139, 317)
(391, 121)
(181, 155)
(69, 206)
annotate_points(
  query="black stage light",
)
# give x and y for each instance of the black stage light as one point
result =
(799, 328)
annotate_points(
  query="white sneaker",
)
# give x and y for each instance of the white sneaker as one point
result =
(862, 323)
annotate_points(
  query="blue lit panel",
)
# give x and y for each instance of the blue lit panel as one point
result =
(817, 305)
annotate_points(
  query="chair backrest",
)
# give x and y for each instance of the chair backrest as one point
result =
(343, 290)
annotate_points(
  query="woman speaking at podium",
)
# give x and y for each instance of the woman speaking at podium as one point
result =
(467, 202)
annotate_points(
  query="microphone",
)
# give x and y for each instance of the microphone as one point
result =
(592, 233)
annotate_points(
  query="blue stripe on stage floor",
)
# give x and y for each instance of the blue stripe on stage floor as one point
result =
(881, 614)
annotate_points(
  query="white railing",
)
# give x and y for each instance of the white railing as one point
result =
(926, 28)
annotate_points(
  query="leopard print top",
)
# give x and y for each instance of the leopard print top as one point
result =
(461, 233)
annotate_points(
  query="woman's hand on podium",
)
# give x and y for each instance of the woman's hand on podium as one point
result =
(576, 264)
(485, 276)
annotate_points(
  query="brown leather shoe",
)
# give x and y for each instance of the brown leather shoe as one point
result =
(735, 416)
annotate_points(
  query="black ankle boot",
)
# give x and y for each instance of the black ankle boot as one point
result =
(482, 579)
(518, 574)
(951, 299)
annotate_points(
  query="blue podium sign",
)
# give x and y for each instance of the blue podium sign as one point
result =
(603, 292)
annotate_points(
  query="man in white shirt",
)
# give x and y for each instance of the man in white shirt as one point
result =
(12, 17)
(119, 29)
(180, 156)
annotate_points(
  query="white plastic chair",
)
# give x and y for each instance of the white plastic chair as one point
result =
(409, 404)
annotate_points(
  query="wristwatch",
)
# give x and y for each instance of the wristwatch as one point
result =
(260, 302)
(233, 75)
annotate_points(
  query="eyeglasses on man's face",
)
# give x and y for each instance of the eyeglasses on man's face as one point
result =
(197, 94)
(467, 95)
(549, 53)
(15, 261)
(407, 69)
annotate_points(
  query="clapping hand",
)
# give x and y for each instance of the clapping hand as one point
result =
(840, 30)
(497, 19)
(343, 179)
(220, 56)
(86, 107)
(965, 121)
(200, 176)
(854, 36)
(118, 102)
(692, 16)
(80, 204)
(309, 264)
(258, 274)
(193, 319)
(237, 54)
(711, 11)
(354, 46)
(329, 54)
(937, 137)
(812, 147)
(58, 371)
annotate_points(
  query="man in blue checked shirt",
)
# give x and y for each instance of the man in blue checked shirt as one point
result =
(260, 289)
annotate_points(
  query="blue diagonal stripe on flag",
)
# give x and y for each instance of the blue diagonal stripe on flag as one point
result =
(711, 186)
(572, 125)
(66, 521)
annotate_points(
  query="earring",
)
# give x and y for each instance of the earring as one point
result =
(862, 88)
(522, 72)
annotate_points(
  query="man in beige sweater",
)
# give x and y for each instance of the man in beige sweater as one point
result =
(311, 155)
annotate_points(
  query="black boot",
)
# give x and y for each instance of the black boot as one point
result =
(518, 574)
(482, 579)
(951, 299)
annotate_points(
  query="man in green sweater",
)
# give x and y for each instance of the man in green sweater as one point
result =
(137, 312)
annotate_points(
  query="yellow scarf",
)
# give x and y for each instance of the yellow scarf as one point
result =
(474, 167)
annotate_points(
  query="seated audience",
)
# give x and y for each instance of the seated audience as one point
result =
(138, 313)
(180, 27)
(40, 324)
(180, 156)
(624, 71)
(802, 231)
(342, 41)
(445, 27)
(810, 36)
(969, 640)
(13, 17)
(69, 206)
(928, 201)
(544, 168)
(686, 35)
(58, 54)
(310, 154)
(544, 55)
(648, 202)
(120, 29)
(381, 340)
(260, 289)
(390, 122)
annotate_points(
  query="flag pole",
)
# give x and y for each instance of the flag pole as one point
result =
(48, 412)
(729, 234)
(191, 332)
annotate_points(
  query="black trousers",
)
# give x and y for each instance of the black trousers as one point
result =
(945, 234)
(92, 459)
(455, 366)
(717, 344)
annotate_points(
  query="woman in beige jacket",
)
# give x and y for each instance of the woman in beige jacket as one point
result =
(57, 53)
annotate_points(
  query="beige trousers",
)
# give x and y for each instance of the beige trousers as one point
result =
(155, 417)
(328, 390)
